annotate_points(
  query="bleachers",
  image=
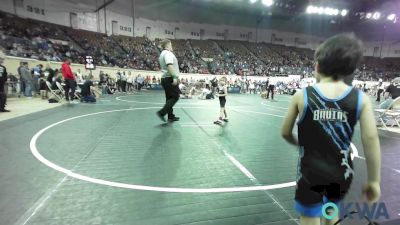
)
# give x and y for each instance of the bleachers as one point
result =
(241, 59)
(102, 47)
(44, 41)
(189, 62)
(142, 53)
(205, 49)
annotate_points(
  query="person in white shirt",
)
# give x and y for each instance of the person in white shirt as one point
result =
(205, 92)
(169, 81)
(140, 82)
(381, 88)
(124, 78)
(252, 87)
(79, 77)
(129, 82)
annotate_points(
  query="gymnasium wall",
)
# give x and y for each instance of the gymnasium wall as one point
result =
(58, 11)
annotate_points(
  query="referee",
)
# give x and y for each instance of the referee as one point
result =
(169, 81)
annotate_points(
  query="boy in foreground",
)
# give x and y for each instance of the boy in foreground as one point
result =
(328, 112)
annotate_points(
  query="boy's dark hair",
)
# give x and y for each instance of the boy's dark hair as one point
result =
(339, 55)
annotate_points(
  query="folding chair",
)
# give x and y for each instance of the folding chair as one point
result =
(390, 114)
(56, 93)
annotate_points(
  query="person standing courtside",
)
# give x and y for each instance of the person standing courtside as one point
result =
(3, 80)
(21, 81)
(271, 88)
(169, 81)
(27, 79)
(381, 88)
(69, 79)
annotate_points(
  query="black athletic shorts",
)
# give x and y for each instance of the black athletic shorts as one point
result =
(222, 101)
(310, 198)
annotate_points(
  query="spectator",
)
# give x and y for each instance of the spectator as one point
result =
(140, 81)
(3, 80)
(87, 91)
(37, 73)
(394, 91)
(79, 77)
(27, 79)
(123, 81)
(69, 80)
(21, 82)
(129, 82)
(51, 73)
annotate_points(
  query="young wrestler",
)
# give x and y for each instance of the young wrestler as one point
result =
(328, 112)
(222, 91)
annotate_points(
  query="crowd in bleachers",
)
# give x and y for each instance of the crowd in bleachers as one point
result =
(49, 42)
(141, 53)
(188, 61)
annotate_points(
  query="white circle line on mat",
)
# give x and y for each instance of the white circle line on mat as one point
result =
(73, 174)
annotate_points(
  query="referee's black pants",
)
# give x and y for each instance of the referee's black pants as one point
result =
(172, 93)
(271, 90)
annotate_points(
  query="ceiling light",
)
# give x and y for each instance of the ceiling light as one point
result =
(320, 10)
(310, 9)
(344, 12)
(268, 3)
(391, 16)
(376, 16)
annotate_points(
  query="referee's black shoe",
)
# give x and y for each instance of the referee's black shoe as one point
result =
(161, 116)
(173, 119)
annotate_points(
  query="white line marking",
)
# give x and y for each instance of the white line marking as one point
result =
(255, 181)
(240, 166)
(70, 173)
(273, 106)
(263, 113)
(195, 125)
(191, 123)
(39, 203)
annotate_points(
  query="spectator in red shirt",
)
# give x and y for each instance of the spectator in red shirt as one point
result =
(69, 79)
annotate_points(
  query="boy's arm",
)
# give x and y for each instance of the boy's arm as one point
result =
(370, 141)
(290, 119)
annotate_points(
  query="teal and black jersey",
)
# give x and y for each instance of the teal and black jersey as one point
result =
(325, 132)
